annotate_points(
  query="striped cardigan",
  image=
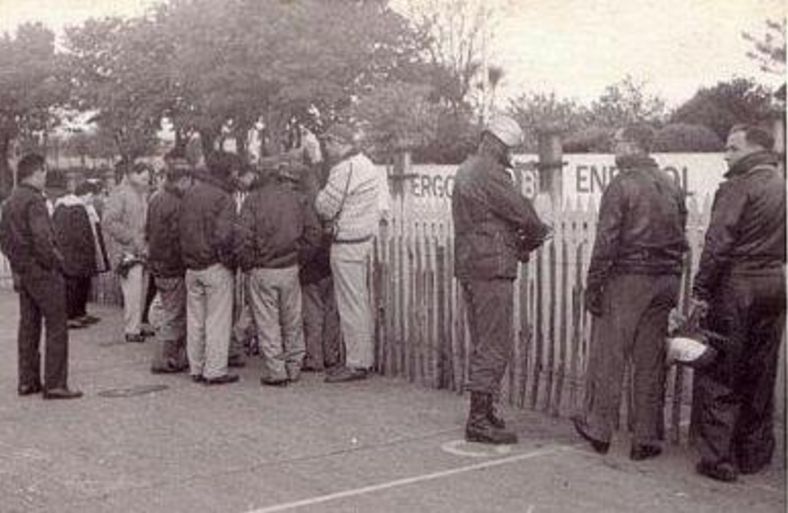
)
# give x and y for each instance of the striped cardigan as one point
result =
(356, 219)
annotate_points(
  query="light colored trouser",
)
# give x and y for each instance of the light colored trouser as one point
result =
(168, 314)
(209, 317)
(349, 268)
(134, 288)
(275, 296)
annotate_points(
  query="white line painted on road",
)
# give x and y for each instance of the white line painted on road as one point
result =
(408, 480)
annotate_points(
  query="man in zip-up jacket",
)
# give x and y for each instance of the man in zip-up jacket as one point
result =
(275, 225)
(495, 227)
(166, 265)
(207, 226)
(27, 239)
(632, 284)
(740, 283)
(353, 200)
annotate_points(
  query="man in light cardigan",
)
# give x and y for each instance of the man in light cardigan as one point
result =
(353, 201)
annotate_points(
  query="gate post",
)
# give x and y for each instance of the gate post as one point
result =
(551, 162)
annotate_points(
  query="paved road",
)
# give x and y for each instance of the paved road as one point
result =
(379, 446)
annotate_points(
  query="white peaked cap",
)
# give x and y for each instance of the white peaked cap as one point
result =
(506, 130)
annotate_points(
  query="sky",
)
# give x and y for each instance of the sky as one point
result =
(571, 47)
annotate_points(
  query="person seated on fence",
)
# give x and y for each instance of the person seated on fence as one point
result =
(740, 286)
(632, 284)
(275, 224)
(166, 265)
(495, 226)
(28, 241)
(352, 202)
(206, 235)
(124, 220)
(78, 232)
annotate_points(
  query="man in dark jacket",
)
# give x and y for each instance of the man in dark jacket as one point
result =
(321, 317)
(166, 265)
(494, 227)
(632, 284)
(27, 239)
(741, 284)
(78, 241)
(207, 225)
(275, 223)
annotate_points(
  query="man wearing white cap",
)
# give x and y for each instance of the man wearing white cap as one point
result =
(495, 227)
(353, 201)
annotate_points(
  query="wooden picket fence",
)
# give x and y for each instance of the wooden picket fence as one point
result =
(420, 325)
(421, 330)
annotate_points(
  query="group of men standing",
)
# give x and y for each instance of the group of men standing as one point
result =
(291, 229)
(297, 225)
(738, 293)
(198, 235)
(632, 287)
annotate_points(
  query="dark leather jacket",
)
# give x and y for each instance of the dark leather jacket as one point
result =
(491, 221)
(276, 223)
(163, 233)
(746, 234)
(207, 224)
(26, 234)
(641, 227)
(75, 240)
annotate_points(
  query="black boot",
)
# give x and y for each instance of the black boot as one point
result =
(494, 417)
(479, 428)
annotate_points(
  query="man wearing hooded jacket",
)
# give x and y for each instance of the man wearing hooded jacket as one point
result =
(494, 227)
(632, 284)
(741, 285)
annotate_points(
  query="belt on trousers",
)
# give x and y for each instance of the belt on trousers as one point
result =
(353, 241)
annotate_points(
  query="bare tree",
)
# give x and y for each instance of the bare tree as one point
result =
(460, 41)
(769, 50)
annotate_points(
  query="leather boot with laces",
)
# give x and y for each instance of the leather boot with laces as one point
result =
(479, 428)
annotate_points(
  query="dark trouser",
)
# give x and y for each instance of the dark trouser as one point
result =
(632, 328)
(77, 292)
(171, 328)
(490, 306)
(321, 325)
(734, 397)
(149, 296)
(42, 294)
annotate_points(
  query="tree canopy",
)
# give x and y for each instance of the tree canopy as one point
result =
(29, 89)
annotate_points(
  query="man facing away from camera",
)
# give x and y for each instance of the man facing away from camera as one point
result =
(353, 201)
(495, 227)
(78, 230)
(275, 224)
(207, 227)
(740, 286)
(632, 285)
(28, 240)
